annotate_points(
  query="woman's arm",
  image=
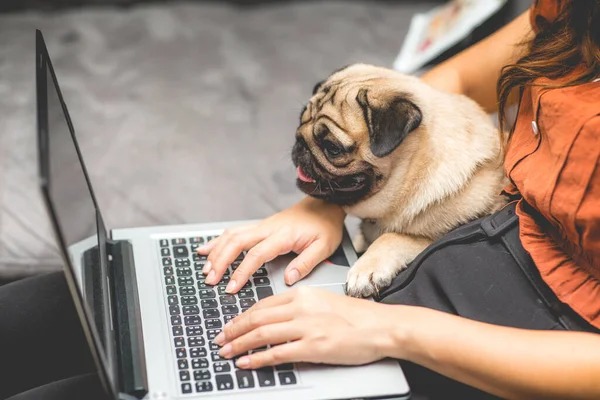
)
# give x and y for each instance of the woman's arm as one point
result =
(474, 72)
(509, 362)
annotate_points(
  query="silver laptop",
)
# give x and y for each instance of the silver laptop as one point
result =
(148, 315)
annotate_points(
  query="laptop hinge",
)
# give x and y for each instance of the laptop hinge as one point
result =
(127, 319)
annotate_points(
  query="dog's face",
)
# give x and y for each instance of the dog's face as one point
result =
(352, 125)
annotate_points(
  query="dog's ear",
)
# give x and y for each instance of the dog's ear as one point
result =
(317, 87)
(389, 123)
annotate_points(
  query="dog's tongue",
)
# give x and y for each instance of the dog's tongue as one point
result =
(302, 176)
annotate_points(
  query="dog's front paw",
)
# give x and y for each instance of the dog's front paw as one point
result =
(372, 273)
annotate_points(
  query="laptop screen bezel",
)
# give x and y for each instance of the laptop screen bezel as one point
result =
(105, 360)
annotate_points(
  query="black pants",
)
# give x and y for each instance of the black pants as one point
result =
(482, 272)
(43, 352)
(479, 271)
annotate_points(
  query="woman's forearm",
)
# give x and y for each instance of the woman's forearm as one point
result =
(508, 362)
(474, 72)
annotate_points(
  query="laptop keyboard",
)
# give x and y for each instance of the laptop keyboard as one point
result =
(199, 311)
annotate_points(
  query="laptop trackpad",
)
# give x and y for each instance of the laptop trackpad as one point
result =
(327, 275)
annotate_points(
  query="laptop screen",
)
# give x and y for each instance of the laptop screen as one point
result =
(76, 218)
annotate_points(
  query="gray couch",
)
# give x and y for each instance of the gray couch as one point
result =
(185, 112)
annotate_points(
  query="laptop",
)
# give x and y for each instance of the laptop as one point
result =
(148, 315)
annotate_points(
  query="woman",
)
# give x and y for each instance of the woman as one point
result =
(522, 322)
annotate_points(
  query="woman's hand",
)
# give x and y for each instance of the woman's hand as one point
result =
(311, 228)
(308, 325)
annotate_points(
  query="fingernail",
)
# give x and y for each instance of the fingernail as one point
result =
(220, 339)
(225, 350)
(227, 324)
(206, 267)
(230, 286)
(201, 248)
(210, 277)
(243, 362)
(293, 276)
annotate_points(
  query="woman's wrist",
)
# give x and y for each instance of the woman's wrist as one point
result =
(399, 338)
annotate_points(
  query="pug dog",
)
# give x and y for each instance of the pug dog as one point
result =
(412, 162)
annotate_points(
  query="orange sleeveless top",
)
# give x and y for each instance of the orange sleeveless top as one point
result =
(553, 161)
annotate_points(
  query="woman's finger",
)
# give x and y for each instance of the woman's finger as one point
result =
(229, 247)
(257, 256)
(253, 319)
(296, 351)
(304, 263)
(264, 335)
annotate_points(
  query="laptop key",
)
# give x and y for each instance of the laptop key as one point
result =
(190, 310)
(227, 299)
(180, 251)
(213, 324)
(211, 313)
(207, 294)
(227, 318)
(192, 320)
(201, 375)
(212, 346)
(202, 285)
(179, 341)
(261, 281)
(248, 293)
(171, 290)
(184, 271)
(221, 290)
(182, 364)
(247, 303)
(184, 376)
(263, 291)
(265, 376)
(209, 303)
(260, 272)
(172, 300)
(230, 309)
(199, 363)
(204, 386)
(284, 367)
(194, 330)
(167, 261)
(181, 353)
(186, 388)
(182, 262)
(220, 367)
(244, 379)
(214, 355)
(178, 241)
(224, 382)
(169, 280)
(174, 310)
(185, 281)
(168, 270)
(197, 352)
(212, 333)
(287, 378)
(197, 239)
(176, 320)
(165, 252)
(187, 291)
(178, 330)
(189, 300)
(164, 243)
(196, 341)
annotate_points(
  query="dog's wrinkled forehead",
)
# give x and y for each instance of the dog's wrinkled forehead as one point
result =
(362, 104)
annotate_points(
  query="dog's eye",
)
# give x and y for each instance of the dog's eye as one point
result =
(332, 149)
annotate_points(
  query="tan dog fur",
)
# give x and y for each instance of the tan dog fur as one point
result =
(446, 172)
